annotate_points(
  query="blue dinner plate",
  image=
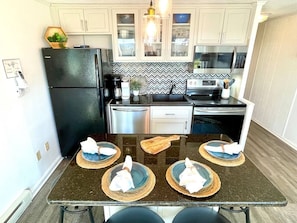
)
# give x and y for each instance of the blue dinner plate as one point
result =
(99, 157)
(179, 167)
(221, 155)
(139, 175)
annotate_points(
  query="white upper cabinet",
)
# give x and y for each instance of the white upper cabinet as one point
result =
(223, 26)
(84, 20)
(210, 26)
(236, 26)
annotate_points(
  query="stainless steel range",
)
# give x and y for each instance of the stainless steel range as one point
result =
(213, 115)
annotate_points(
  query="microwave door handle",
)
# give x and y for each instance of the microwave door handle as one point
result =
(234, 59)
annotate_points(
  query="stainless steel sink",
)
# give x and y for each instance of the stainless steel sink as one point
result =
(168, 98)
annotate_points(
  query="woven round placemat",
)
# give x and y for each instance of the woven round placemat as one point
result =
(128, 196)
(97, 165)
(230, 163)
(205, 192)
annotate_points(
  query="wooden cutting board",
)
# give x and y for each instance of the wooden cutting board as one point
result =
(157, 144)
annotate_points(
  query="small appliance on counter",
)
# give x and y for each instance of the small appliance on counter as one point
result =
(125, 84)
(108, 83)
(117, 92)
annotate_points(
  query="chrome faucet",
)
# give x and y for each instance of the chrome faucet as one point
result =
(172, 86)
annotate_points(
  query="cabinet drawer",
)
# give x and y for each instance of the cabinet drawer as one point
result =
(170, 112)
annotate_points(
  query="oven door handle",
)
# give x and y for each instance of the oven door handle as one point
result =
(219, 111)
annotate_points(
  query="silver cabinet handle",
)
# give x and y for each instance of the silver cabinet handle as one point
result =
(220, 111)
(169, 114)
(130, 110)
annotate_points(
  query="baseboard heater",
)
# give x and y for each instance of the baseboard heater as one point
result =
(17, 208)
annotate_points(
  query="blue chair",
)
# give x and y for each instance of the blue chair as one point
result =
(199, 215)
(135, 215)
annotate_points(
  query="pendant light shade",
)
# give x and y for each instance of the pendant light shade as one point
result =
(164, 8)
(152, 25)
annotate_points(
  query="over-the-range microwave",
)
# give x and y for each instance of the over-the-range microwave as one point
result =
(219, 59)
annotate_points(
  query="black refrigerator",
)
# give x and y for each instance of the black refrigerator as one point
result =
(76, 85)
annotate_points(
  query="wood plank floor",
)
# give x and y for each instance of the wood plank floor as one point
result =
(274, 158)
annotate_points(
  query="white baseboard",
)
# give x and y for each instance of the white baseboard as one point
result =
(37, 187)
(17, 208)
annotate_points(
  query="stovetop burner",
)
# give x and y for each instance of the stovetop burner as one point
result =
(208, 93)
(203, 92)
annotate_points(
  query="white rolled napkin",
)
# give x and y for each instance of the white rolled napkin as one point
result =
(90, 146)
(123, 180)
(190, 178)
(232, 148)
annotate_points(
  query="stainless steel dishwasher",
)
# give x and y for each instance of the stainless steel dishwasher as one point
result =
(129, 119)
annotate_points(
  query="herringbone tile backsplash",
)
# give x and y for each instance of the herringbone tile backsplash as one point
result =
(160, 76)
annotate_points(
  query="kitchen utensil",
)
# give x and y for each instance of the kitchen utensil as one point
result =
(231, 82)
(158, 143)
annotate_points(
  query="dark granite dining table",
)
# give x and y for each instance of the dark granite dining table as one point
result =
(242, 186)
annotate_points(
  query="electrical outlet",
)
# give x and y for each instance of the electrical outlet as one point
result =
(38, 155)
(46, 146)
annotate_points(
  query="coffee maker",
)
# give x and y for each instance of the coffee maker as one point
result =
(117, 87)
(112, 87)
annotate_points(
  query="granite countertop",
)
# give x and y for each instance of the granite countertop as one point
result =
(243, 185)
(147, 100)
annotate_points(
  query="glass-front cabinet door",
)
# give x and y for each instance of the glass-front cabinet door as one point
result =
(126, 31)
(181, 46)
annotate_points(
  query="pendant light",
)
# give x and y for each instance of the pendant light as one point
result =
(152, 25)
(164, 7)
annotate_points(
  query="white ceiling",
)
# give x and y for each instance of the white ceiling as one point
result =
(274, 8)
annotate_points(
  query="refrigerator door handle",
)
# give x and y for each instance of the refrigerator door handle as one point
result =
(101, 102)
(97, 73)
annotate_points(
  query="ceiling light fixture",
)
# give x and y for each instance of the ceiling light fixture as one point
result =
(263, 17)
(152, 24)
(152, 20)
(164, 7)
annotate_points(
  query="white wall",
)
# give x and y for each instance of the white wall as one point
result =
(274, 81)
(26, 122)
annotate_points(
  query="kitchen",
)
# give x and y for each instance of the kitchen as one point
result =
(20, 113)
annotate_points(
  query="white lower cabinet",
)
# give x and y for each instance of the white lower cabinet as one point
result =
(171, 119)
